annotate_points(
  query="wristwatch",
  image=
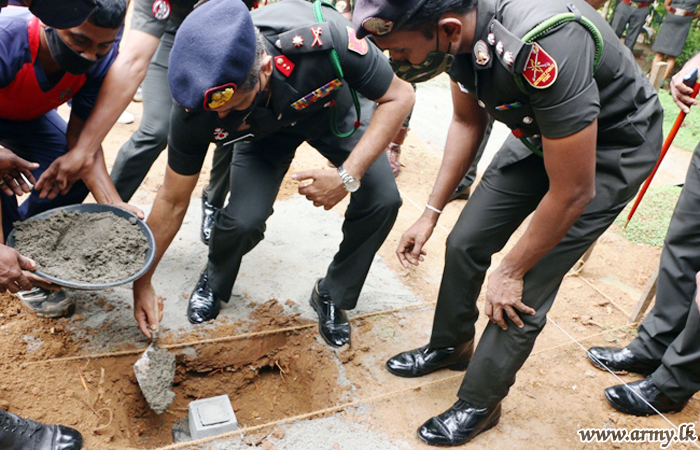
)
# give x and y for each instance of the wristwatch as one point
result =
(350, 183)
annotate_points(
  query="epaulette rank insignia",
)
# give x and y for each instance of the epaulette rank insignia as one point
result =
(541, 70)
(284, 65)
(316, 95)
(511, 51)
(358, 46)
(306, 39)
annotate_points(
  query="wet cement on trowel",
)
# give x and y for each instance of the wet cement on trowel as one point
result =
(83, 247)
(155, 371)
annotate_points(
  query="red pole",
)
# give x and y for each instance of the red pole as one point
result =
(664, 149)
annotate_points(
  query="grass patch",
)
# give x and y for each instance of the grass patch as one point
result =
(689, 133)
(650, 221)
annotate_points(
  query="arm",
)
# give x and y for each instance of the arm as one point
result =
(667, 5)
(463, 139)
(165, 219)
(570, 165)
(118, 88)
(679, 91)
(697, 290)
(97, 179)
(393, 107)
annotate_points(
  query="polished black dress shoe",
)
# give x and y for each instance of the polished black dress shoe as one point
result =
(424, 360)
(208, 212)
(203, 306)
(17, 433)
(459, 424)
(619, 360)
(623, 399)
(333, 323)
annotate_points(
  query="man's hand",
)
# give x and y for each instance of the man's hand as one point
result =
(680, 92)
(505, 294)
(12, 264)
(325, 190)
(410, 249)
(145, 307)
(12, 167)
(131, 208)
(63, 172)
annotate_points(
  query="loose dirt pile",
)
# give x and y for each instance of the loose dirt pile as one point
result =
(83, 247)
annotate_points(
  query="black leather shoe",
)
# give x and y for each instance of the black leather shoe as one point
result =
(461, 193)
(203, 306)
(17, 433)
(208, 211)
(459, 424)
(424, 360)
(629, 402)
(332, 321)
(619, 360)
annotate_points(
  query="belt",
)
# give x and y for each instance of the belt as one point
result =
(679, 11)
(637, 4)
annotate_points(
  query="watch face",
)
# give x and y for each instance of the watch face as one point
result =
(352, 186)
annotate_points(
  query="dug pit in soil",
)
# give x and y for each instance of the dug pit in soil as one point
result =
(83, 247)
(267, 378)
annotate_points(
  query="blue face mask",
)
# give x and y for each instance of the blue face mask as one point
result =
(63, 14)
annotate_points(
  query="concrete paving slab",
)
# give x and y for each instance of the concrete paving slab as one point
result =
(300, 243)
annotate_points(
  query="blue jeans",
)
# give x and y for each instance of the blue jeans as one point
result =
(40, 140)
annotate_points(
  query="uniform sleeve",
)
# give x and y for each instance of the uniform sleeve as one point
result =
(14, 50)
(370, 74)
(572, 102)
(188, 140)
(143, 19)
(84, 100)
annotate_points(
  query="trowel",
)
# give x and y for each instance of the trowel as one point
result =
(155, 371)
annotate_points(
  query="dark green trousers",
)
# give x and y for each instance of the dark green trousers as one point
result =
(506, 195)
(670, 334)
(257, 171)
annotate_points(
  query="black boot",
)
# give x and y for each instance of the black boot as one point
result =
(203, 306)
(424, 360)
(17, 433)
(619, 360)
(628, 399)
(459, 424)
(208, 212)
(333, 323)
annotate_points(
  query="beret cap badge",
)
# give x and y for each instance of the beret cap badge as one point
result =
(378, 26)
(216, 97)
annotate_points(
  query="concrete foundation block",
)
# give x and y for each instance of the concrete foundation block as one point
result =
(211, 417)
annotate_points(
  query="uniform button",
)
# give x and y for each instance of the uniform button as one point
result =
(293, 124)
(536, 136)
(527, 120)
(279, 117)
(481, 103)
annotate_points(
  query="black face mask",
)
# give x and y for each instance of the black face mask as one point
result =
(69, 60)
(63, 14)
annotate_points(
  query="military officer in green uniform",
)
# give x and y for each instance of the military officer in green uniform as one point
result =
(586, 133)
(667, 348)
(267, 85)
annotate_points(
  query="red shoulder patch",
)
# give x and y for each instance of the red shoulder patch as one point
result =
(161, 9)
(541, 69)
(358, 46)
(284, 65)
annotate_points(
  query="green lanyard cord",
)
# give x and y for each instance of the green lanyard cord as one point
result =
(337, 68)
(544, 28)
